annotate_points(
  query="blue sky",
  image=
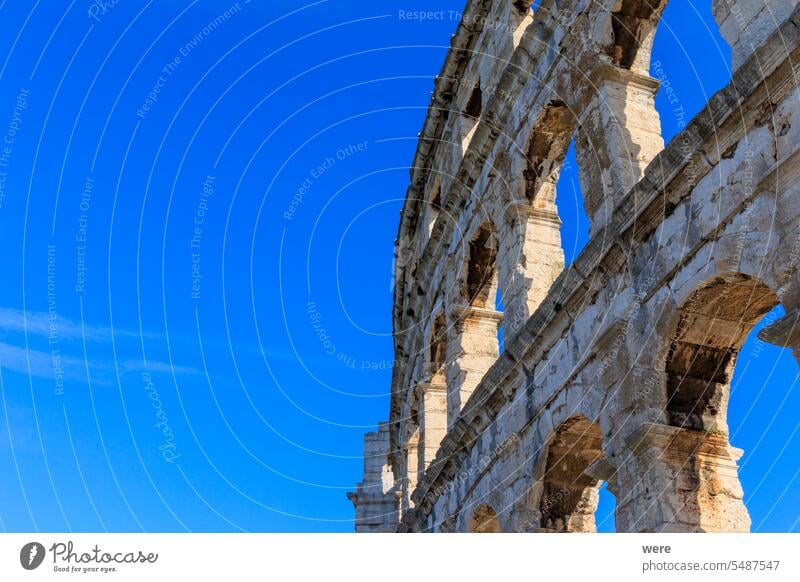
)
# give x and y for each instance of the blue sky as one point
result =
(198, 210)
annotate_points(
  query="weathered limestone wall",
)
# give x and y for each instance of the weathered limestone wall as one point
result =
(616, 370)
(375, 498)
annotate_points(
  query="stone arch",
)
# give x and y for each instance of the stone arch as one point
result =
(481, 273)
(547, 147)
(530, 252)
(568, 495)
(633, 26)
(424, 423)
(711, 326)
(683, 474)
(437, 349)
(474, 105)
(470, 114)
(633, 29)
(433, 203)
(412, 450)
(472, 340)
(484, 520)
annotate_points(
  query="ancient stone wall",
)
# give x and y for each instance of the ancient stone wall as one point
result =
(617, 369)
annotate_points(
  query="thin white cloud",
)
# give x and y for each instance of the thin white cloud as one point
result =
(37, 326)
(40, 364)
(158, 368)
(49, 365)
(39, 323)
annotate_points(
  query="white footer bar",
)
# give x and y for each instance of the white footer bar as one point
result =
(390, 557)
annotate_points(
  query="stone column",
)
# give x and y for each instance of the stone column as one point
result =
(530, 265)
(679, 480)
(412, 465)
(618, 135)
(784, 333)
(747, 24)
(376, 500)
(472, 349)
(433, 420)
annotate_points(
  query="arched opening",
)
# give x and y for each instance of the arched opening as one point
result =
(484, 520)
(470, 115)
(431, 395)
(533, 255)
(481, 287)
(474, 336)
(633, 28)
(571, 207)
(474, 105)
(438, 350)
(519, 19)
(413, 456)
(569, 495)
(547, 148)
(698, 473)
(433, 204)
(712, 325)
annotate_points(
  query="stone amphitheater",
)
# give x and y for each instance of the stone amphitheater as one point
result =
(616, 370)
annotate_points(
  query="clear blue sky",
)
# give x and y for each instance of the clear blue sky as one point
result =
(153, 255)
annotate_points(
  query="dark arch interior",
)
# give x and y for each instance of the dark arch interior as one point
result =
(634, 26)
(438, 349)
(481, 272)
(475, 103)
(547, 149)
(712, 325)
(434, 203)
(569, 496)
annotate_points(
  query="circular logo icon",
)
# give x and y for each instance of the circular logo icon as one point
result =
(31, 555)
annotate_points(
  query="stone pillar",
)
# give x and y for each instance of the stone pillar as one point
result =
(530, 265)
(679, 480)
(747, 24)
(784, 333)
(472, 350)
(433, 420)
(412, 465)
(376, 499)
(618, 135)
